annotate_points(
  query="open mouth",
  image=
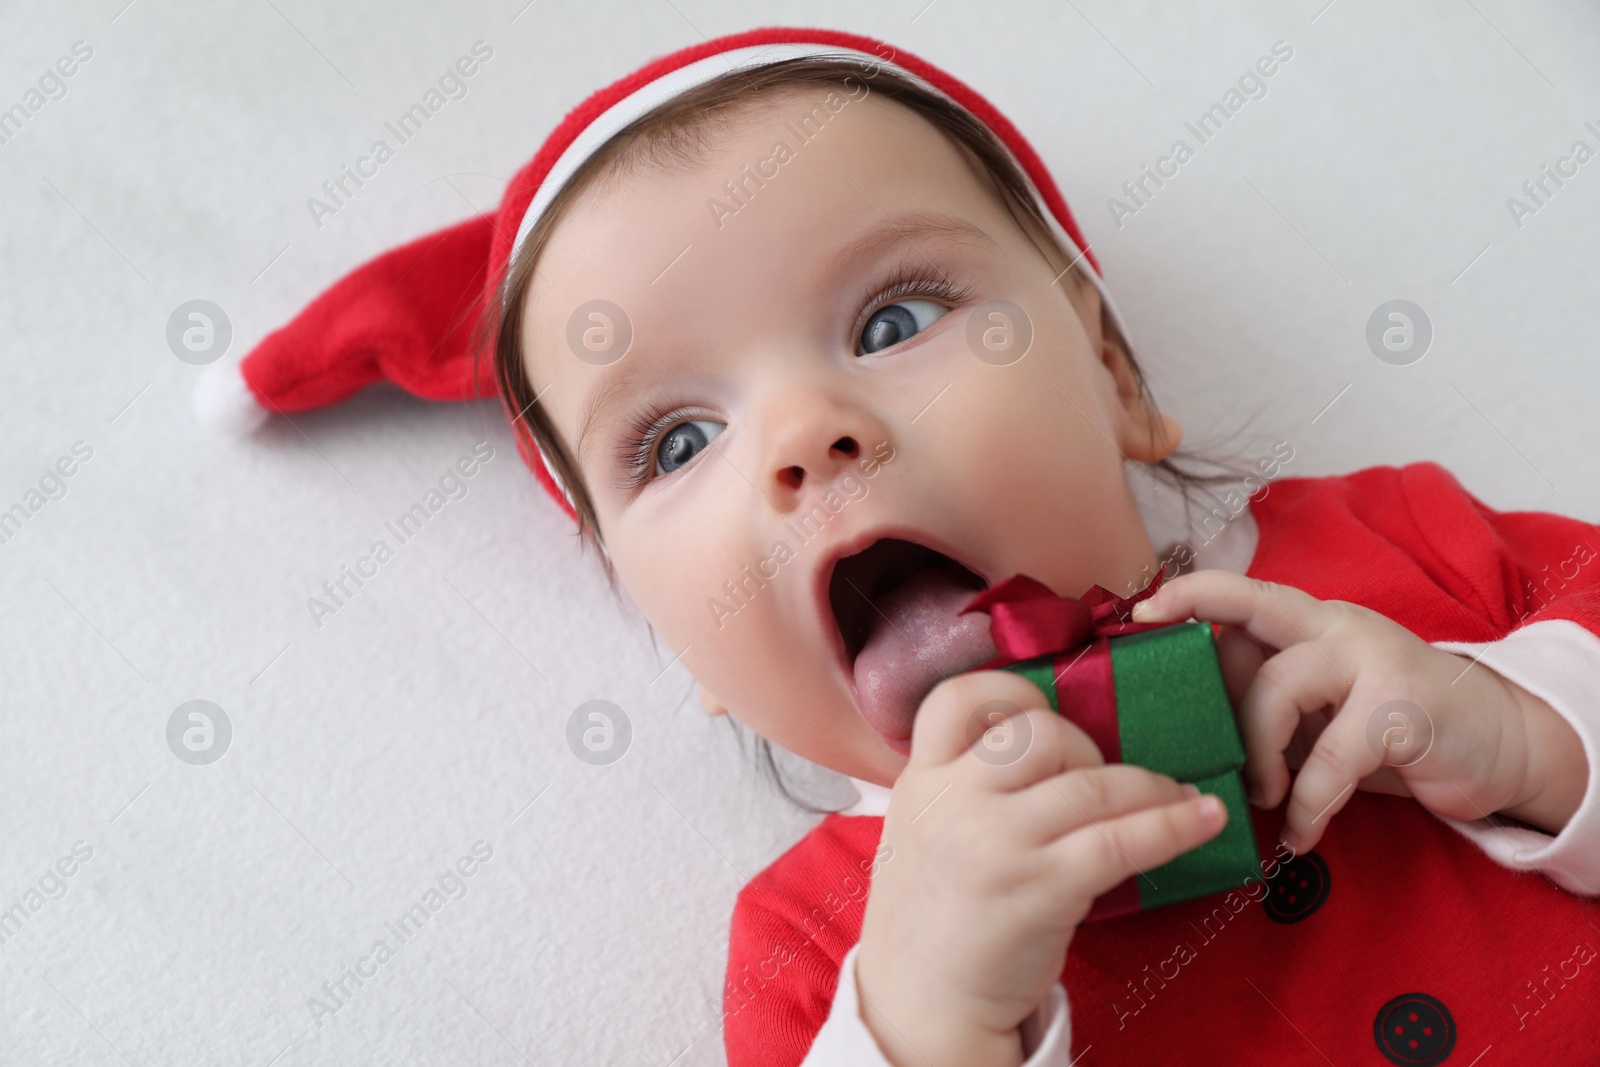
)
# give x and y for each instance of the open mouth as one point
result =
(859, 581)
(898, 608)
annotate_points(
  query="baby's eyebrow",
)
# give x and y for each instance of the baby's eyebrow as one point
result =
(603, 394)
(908, 226)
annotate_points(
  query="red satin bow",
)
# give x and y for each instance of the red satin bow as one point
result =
(1028, 620)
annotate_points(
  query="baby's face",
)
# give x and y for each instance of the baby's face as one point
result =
(808, 416)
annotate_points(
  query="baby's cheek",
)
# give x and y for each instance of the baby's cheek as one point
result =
(716, 607)
(745, 621)
(756, 647)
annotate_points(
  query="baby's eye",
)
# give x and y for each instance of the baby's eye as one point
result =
(893, 323)
(683, 442)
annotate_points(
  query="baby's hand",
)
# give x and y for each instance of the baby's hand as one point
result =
(1405, 717)
(1004, 826)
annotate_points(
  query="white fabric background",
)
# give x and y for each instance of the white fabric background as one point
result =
(370, 753)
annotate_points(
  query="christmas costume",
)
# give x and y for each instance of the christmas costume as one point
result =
(1402, 938)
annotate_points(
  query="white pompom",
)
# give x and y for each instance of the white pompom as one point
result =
(224, 403)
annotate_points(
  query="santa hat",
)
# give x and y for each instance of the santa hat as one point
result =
(408, 316)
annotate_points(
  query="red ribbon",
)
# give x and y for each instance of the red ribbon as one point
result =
(1027, 620)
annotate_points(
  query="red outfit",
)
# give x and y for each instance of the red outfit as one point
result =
(1397, 940)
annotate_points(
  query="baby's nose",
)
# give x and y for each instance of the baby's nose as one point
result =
(815, 432)
(793, 476)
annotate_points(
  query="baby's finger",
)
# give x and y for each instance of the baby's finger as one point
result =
(1338, 761)
(1015, 747)
(1385, 780)
(1277, 615)
(948, 716)
(1311, 727)
(1240, 656)
(1100, 855)
(1012, 749)
(1289, 686)
(1074, 799)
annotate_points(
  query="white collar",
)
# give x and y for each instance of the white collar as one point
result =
(1217, 545)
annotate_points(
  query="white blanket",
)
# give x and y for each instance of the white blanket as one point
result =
(200, 914)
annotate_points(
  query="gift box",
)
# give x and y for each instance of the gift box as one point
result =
(1147, 693)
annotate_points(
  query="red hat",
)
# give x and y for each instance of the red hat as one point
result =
(408, 316)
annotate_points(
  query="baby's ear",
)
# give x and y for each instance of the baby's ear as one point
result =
(710, 703)
(1105, 339)
(1145, 432)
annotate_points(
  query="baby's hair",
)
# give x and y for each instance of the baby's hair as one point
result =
(679, 133)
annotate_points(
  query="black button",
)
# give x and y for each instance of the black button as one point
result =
(1298, 889)
(1415, 1029)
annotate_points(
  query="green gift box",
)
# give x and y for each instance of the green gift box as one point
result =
(1149, 694)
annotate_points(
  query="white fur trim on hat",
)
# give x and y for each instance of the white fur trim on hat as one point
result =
(684, 78)
(224, 403)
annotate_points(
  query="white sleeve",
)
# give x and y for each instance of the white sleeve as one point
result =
(845, 1041)
(1557, 661)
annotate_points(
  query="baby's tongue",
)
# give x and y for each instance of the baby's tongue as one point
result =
(917, 639)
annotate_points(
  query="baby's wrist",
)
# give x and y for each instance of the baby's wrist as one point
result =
(929, 1036)
(1557, 772)
(917, 1028)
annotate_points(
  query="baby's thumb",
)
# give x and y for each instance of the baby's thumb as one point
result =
(959, 709)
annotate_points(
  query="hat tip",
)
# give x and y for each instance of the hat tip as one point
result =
(224, 403)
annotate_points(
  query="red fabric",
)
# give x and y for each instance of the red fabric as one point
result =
(408, 315)
(1410, 906)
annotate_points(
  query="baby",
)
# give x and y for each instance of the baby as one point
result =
(794, 326)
